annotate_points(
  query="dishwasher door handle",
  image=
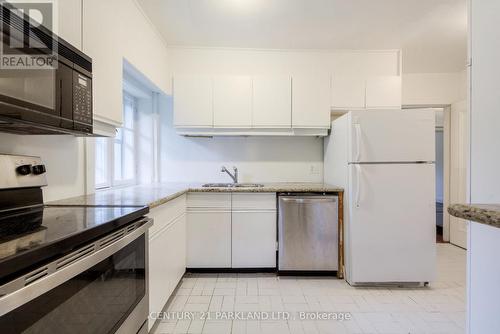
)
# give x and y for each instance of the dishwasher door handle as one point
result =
(309, 200)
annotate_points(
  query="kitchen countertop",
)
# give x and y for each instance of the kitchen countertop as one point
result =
(157, 194)
(488, 214)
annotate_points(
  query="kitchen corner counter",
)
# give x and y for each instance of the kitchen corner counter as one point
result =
(157, 194)
(488, 214)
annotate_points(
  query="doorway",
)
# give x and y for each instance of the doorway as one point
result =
(442, 160)
(439, 173)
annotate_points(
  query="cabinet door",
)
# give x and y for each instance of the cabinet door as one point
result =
(311, 101)
(254, 239)
(209, 235)
(272, 102)
(233, 101)
(383, 92)
(348, 92)
(193, 101)
(167, 263)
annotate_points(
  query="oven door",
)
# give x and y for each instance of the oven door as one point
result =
(100, 288)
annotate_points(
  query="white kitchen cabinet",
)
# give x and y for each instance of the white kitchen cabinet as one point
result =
(253, 230)
(272, 102)
(311, 101)
(167, 252)
(383, 92)
(232, 101)
(348, 92)
(209, 235)
(193, 105)
(254, 239)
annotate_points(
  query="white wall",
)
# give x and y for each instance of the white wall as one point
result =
(63, 156)
(434, 88)
(485, 102)
(259, 159)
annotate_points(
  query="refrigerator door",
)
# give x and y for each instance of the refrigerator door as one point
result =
(392, 136)
(391, 229)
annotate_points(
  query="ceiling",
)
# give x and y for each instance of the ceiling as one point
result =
(432, 33)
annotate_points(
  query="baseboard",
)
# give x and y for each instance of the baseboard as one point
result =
(230, 270)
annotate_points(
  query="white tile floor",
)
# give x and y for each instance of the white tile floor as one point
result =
(438, 309)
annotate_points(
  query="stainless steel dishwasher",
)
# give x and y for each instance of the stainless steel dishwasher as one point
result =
(308, 233)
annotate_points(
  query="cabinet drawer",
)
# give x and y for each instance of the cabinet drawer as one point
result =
(254, 201)
(165, 214)
(209, 200)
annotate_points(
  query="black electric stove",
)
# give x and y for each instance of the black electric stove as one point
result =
(62, 268)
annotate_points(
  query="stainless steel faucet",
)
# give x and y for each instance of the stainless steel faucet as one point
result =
(233, 176)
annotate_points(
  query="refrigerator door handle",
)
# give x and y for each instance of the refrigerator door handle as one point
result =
(358, 185)
(357, 128)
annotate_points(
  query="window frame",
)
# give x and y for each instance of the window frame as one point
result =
(111, 181)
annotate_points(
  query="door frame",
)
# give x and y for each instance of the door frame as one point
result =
(446, 159)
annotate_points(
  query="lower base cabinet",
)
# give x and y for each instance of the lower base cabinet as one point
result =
(231, 230)
(167, 254)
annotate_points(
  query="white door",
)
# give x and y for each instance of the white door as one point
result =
(311, 101)
(392, 136)
(209, 235)
(392, 224)
(383, 92)
(193, 101)
(348, 92)
(272, 102)
(233, 101)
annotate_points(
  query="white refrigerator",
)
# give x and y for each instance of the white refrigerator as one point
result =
(385, 161)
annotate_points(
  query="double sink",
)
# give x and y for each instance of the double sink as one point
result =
(233, 185)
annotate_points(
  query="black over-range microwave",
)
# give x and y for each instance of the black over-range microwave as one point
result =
(45, 82)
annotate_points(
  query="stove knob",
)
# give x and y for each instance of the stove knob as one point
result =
(39, 169)
(24, 169)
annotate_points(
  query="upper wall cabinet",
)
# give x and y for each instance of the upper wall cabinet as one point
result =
(356, 92)
(311, 101)
(272, 102)
(232, 101)
(348, 92)
(383, 92)
(193, 104)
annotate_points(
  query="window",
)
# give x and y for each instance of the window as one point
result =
(115, 158)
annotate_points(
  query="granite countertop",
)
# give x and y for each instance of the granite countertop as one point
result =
(158, 194)
(488, 214)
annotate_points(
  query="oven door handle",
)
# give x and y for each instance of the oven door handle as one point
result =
(32, 285)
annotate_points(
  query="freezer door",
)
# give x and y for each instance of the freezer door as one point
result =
(392, 226)
(308, 233)
(392, 135)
